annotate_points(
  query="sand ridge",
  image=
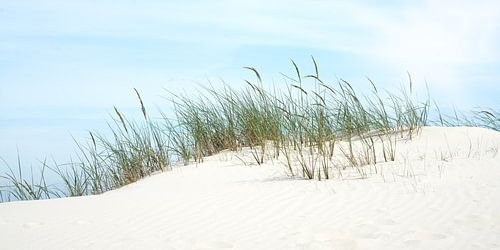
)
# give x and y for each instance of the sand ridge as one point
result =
(442, 192)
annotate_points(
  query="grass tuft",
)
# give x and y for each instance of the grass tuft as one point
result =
(304, 122)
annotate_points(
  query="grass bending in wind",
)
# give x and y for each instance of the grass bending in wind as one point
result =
(301, 124)
(298, 121)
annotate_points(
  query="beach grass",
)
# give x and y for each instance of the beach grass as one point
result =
(302, 121)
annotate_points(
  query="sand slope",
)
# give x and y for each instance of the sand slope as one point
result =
(443, 192)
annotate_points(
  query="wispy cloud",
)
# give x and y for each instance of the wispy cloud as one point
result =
(89, 44)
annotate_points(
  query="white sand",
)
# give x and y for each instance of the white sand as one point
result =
(443, 192)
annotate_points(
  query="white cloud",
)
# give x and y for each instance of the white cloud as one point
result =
(434, 40)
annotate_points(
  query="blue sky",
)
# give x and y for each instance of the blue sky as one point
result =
(64, 64)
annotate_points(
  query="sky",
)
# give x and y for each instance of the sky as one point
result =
(65, 64)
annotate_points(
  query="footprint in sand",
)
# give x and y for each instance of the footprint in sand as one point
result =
(33, 224)
(473, 221)
(412, 243)
(415, 239)
(324, 236)
(331, 240)
(81, 222)
(208, 244)
(387, 222)
(287, 235)
(347, 244)
(430, 236)
(366, 231)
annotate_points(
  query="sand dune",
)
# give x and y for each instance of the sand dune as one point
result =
(442, 192)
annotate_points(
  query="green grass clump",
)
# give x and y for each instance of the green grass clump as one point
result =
(304, 121)
(134, 151)
(20, 188)
(299, 121)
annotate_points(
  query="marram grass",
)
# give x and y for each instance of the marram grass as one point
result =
(302, 122)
